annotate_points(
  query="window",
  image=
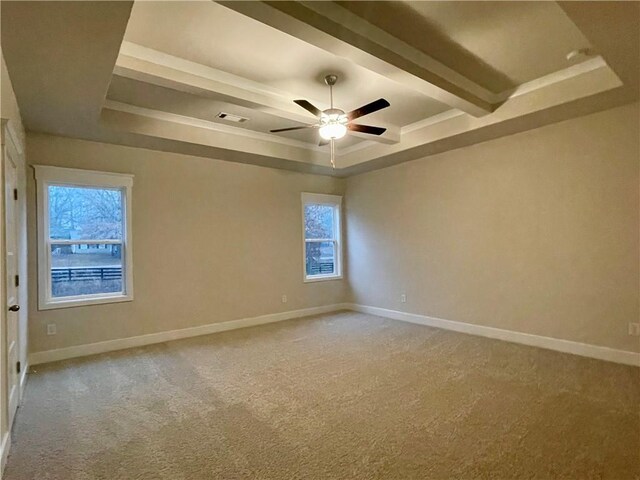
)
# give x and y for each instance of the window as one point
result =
(84, 237)
(321, 234)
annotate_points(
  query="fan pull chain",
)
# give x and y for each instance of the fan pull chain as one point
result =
(333, 149)
(333, 155)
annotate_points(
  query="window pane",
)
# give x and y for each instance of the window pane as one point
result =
(318, 221)
(320, 258)
(85, 269)
(85, 213)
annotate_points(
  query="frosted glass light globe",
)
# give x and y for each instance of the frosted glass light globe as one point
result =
(333, 131)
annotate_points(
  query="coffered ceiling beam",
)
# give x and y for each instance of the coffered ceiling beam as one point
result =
(157, 68)
(334, 29)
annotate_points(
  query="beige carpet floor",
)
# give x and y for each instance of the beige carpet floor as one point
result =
(340, 396)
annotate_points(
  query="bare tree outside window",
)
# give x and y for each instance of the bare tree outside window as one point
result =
(77, 213)
(320, 245)
(85, 213)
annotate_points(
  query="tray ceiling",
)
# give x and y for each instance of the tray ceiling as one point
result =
(155, 74)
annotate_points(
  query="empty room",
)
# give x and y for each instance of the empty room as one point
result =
(320, 240)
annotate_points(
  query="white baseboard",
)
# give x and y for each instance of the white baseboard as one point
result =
(5, 445)
(138, 341)
(566, 346)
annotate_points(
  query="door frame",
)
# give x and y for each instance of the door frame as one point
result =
(10, 156)
(9, 143)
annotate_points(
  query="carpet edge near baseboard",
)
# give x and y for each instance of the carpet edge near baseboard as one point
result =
(75, 351)
(549, 343)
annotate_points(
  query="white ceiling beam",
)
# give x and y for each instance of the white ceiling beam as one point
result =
(334, 29)
(209, 125)
(152, 123)
(151, 66)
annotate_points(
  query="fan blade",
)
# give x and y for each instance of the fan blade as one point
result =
(367, 109)
(354, 127)
(322, 142)
(288, 129)
(308, 107)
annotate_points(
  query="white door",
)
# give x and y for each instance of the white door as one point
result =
(12, 281)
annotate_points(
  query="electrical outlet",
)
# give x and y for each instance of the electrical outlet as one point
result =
(51, 329)
(284, 299)
(403, 298)
(634, 329)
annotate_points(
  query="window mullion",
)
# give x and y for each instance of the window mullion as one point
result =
(319, 240)
(53, 241)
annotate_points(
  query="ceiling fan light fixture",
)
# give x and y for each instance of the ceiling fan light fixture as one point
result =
(333, 124)
(333, 130)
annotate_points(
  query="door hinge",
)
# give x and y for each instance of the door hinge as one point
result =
(17, 280)
(15, 194)
(18, 367)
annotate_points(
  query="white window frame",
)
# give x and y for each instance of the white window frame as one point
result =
(334, 201)
(71, 177)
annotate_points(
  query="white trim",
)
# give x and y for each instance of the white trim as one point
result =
(527, 87)
(48, 175)
(157, 57)
(321, 198)
(322, 278)
(554, 77)
(86, 300)
(334, 201)
(23, 381)
(5, 446)
(249, 93)
(78, 176)
(432, 120)
(572, 83)
(9, 132)
(37, 358)
(209, 125)
(549, 343)
(357, 146)
(84, 242)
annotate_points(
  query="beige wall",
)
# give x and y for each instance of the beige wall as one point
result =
(212, 241)
(536, 232)
(9, 111)
(8, 104)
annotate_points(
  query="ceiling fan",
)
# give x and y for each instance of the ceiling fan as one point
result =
(334, 123)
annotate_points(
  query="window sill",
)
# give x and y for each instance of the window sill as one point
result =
(322, 278)
(76, 302)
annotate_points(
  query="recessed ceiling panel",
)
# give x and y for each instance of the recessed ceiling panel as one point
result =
(499, 45)
(181, 63)
(161, 99)
(213, 35)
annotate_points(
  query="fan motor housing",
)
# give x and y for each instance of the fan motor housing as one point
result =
(331, 80)
(334, 114)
